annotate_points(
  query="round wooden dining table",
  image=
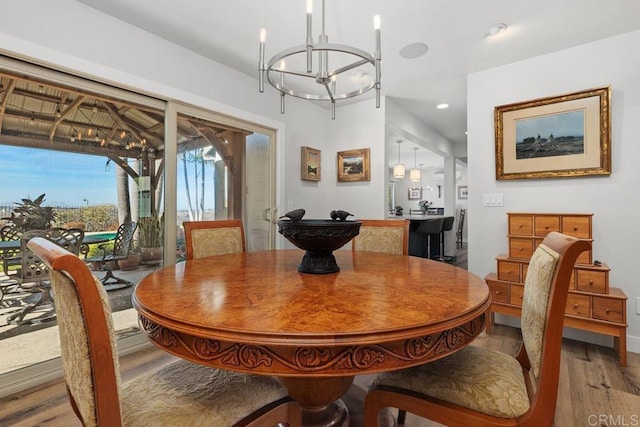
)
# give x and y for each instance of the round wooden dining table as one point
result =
(254, 312)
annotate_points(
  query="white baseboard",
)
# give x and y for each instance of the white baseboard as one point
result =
(40, 373)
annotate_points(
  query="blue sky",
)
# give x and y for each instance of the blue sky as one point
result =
(564, 124)
(66, 178)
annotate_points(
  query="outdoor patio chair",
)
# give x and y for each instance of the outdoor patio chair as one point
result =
(33, 275)
(181, 393)
(10, 257)
(111, 252)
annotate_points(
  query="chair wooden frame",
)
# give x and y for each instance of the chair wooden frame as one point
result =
(105, 390)
(542, 397)
(460, 230)
(189, 226)
(400, 223)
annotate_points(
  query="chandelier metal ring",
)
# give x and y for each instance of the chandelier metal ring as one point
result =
(275, 80)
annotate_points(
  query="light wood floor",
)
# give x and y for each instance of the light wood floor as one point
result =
(594, 390)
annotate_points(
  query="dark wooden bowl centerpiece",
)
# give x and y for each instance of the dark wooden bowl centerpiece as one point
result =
(319, 238)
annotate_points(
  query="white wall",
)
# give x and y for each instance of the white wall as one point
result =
(613, 199)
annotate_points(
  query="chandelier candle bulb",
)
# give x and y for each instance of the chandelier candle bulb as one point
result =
(309, 36)
(261, 67)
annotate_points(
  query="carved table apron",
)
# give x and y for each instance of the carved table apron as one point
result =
(254, 312)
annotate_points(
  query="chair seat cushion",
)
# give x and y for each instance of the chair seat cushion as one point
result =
(475, 377)
(184, 393)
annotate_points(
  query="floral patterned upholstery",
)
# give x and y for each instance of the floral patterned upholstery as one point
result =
(180, 393)
(380, 239)
(475, 377)
(537, 287)
(482, 379)
(216, 241)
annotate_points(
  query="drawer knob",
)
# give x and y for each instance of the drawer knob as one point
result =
(546, 227)
(575, 305)
(608, 310)
(497, 292)
(575, 228)
(590, 282)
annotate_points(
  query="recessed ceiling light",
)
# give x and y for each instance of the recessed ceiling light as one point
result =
(442, 106)
(414, 50)
(496, 29)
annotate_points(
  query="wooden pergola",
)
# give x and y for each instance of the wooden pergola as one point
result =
(40, 115)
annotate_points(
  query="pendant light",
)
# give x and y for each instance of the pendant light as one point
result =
(415, 174)
(398, 168)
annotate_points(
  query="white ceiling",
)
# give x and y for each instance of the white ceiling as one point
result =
(227, 32)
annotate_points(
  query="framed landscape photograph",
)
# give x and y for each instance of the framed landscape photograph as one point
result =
(309, 164)
(560, 136)
(353, 165)
(415, 193)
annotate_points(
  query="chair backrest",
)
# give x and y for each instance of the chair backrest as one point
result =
(87, 337)
(124, 238)
(543, 306)
(383, 235)
(9, 232)
(209, 238)
(32, 269)
(447, 223)
(461, 221)
(431, 226)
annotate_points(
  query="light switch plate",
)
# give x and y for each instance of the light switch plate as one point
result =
(493, 199)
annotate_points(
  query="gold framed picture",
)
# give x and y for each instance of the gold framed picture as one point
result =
(559, 136)
(309, 164)
(353, 165)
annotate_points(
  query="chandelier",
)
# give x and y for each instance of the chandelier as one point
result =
(294, 72)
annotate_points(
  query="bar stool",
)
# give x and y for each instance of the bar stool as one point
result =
(447, 225)
(431, 227)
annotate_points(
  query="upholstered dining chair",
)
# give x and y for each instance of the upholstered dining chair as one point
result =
(178, 394)
(383, 235)
(477, 386)
(209, 238)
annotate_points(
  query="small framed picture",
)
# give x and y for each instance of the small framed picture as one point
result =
(309, 164)
(462, 191)
(353, 165)
(415, 193)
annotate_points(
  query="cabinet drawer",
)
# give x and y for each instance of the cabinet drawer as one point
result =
(584, 258)
(521, 225)
(516, 292)
(544, 225)
(499, 292)
(509, 271)
(592, 281)
(577, 226)
(520, 247)
(578, 305)
(608, 309)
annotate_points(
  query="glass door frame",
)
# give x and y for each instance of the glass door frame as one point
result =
(172, 110)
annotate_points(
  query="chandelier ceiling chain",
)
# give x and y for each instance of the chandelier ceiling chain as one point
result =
(296, 83)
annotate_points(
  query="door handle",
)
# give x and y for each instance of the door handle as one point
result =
(269, 216)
